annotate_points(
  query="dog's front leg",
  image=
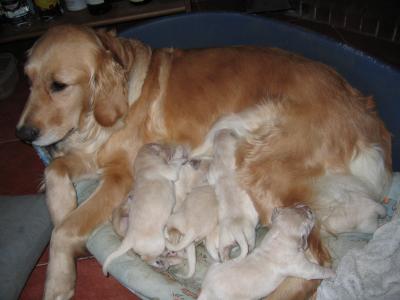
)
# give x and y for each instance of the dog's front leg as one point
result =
(60, 193)
(69, 237)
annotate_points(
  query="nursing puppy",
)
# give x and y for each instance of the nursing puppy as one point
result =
(156, 168)
(193, 174)
(281, 254)
(197, 219)
(346, 204)
(235, 209)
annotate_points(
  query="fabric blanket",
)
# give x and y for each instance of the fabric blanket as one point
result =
(372, 271)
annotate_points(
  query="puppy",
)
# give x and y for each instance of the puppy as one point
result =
(156, 168)
(346, 204)
(281, 254)
(193, 174)
(197, 219)
(237, 215)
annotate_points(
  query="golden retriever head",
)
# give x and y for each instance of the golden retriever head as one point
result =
(72, 76)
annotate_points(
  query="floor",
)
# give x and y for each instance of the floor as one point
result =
(21, 173)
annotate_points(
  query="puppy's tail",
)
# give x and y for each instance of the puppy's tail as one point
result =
(233, 122)
(187, 239)
(240, 123)
(123, 248)
(191, 258)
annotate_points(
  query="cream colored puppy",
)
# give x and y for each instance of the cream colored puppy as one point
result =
(236, 213)
(281, 254)
(193, 174)
(196, 220)
(156, 168)
(347, 204)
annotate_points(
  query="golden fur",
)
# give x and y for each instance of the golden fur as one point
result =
(119, 94)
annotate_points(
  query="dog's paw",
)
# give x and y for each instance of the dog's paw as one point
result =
(160, 263)
(236, 231)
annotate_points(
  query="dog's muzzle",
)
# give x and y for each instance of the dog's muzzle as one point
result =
(27, 133)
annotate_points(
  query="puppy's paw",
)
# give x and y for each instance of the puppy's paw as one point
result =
(236, 231)
(160, 263)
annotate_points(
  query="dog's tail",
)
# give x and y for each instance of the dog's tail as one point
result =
(187, 239)
(191, 261)
(123, 248)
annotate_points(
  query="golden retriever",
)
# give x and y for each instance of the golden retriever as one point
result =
(98, 98)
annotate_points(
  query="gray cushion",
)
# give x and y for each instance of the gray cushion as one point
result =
(25, 230)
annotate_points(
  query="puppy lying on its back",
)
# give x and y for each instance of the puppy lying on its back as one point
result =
(281, 254)
(156, 168)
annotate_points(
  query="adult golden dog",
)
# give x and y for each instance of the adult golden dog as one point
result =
(97, 98)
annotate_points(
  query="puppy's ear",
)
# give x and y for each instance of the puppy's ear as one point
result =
(156, 148)
(109, 92)
(303, 242)
(305, 232)
(274, 214)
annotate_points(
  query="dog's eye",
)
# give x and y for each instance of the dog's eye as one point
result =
(57, 86)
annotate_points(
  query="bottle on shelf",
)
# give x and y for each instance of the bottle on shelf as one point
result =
(75, 5)
(48, 9)
(98, 7)
(139, 2)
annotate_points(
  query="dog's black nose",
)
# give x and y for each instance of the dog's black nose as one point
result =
(27, 133)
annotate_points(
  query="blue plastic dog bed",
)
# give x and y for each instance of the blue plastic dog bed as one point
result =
(367, 74)
(220, 29)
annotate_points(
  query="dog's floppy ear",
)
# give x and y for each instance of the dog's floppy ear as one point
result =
(109, 92)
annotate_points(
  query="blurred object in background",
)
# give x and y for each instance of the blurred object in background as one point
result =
(8, 74)
(139, 2)
(75, 5)
(98, 7)
(17, 12)
(48, 9)
(375, 18)
(256, 6)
